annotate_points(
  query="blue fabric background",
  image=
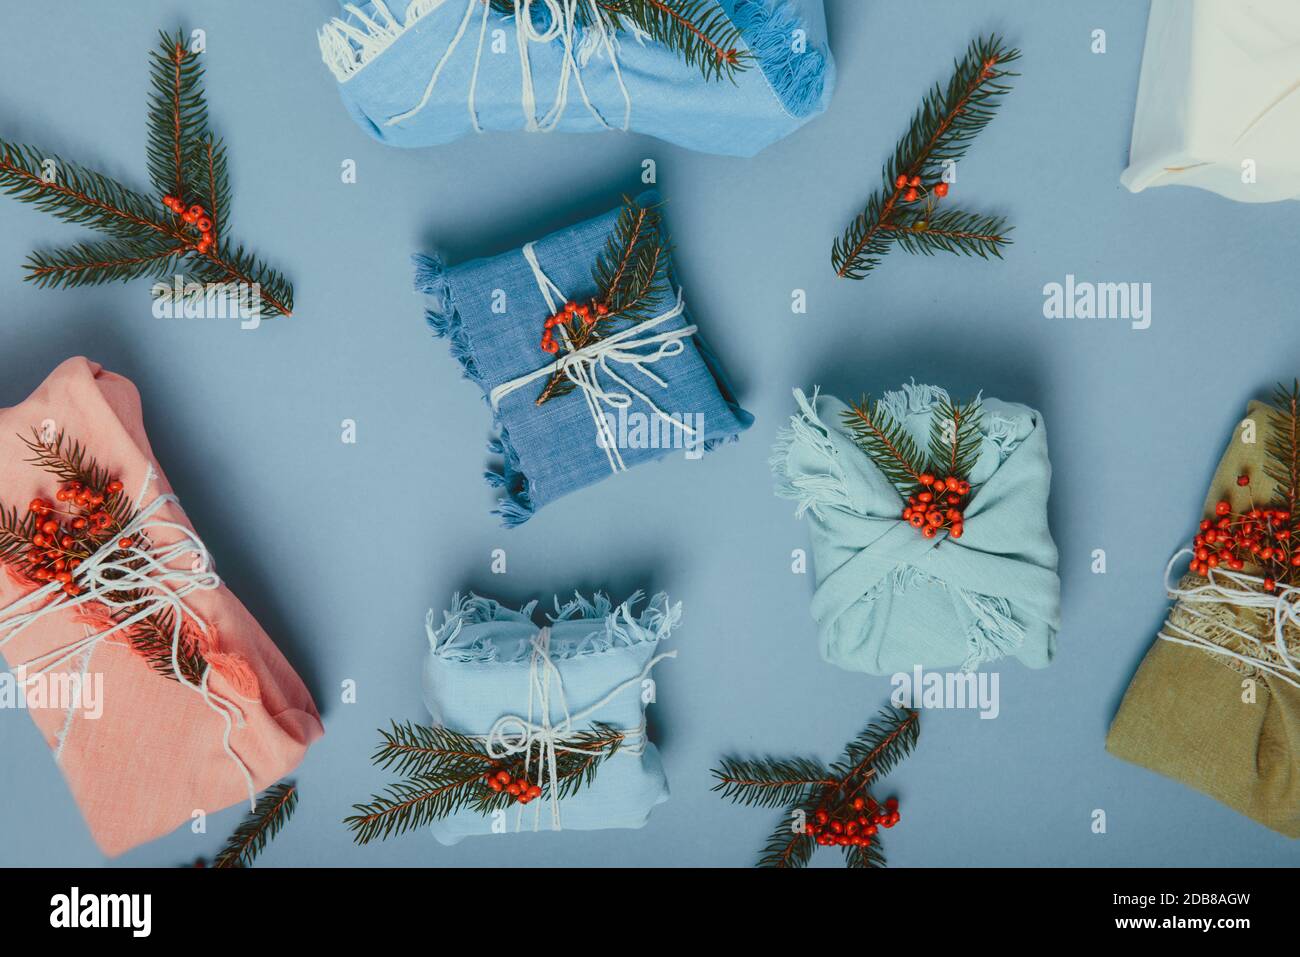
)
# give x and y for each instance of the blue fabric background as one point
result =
(341, 549)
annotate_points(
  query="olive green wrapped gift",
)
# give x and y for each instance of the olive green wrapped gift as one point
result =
(1216, 702)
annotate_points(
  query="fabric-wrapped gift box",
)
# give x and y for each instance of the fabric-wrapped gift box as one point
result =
(157, 691)
(439, 69)
(648, 389)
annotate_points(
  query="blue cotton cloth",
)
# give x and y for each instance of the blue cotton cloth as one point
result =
(478, 671)
(887, 598)
(384, 55)
(550, 450)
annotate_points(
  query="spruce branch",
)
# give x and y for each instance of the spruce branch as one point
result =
(1283, 450)
(770, 782)
(825, 806)
(187, 165)
(942, 129)
(93, 263)
(153, 637)
(446, 772)
(271, 812)
(699, 31)
(955, 437)
(631, 275)
(884, 439)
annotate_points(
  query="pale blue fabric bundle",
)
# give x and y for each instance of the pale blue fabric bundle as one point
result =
(888, 599)
(480, 668)
(433, 71)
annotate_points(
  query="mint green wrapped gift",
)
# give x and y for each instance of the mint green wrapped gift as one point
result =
(888, 598)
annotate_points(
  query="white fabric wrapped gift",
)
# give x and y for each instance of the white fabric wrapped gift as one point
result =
(1218, 102)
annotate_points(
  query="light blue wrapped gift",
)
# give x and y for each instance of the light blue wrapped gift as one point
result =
(889, 599)
(435, 70)
(496, 675)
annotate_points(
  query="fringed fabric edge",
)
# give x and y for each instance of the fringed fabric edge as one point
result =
(829, 488)
(516, 505)
(349, 43)
(768, 28)
(621, 628)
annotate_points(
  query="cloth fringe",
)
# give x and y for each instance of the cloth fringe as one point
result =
(620, 626)
(768, 28)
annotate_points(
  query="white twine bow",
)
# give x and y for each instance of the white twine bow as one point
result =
(562, 25)
(514, 734)
(584, 367)
(1282, 604)
(159, 577)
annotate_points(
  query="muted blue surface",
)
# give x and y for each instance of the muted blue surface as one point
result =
(340, 549)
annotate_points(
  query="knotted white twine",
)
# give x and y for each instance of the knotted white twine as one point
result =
(514, 734)
(1282, 604)
(584, 367)
(562, 17)
(148, 570)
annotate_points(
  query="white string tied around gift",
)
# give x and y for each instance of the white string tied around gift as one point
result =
(1283, 605)
(584, 367)
(514, 734)
(562, 25)
(161, 575)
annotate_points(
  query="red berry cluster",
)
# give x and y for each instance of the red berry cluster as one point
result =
(934, 506)
(195, 216)
(912, 188)
(521, 789)
(855, 824)
(1261, 536)
(575, 316)
(65, 537)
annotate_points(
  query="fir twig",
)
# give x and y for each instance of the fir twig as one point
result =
(943, 127)
(887, 442)
(699, 31)
(154, 636)
(825, 805)
(269, 815)
(446, 772)
(185, 160)
(631, 276)
(955, 437)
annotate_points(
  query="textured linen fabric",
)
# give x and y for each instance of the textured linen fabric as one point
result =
(384, 55)
(1184, 714)
(1220, 86)
(155, 754)
(553, 449)
(477, 671)
(888, 599)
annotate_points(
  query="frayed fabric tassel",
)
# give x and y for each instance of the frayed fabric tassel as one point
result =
(797, 77)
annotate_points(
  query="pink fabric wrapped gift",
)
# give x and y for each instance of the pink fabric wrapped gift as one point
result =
(214, 718)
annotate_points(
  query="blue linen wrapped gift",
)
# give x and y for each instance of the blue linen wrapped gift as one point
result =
(889, 599)
(439, 69)
(483, 672)
(658, 392)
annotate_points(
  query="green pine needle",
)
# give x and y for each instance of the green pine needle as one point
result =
(269, 815)
(955, 437)
(942, 129)
(804, 787)
(889, 445)
(698, 31)
(185, 159)
(445, 773)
